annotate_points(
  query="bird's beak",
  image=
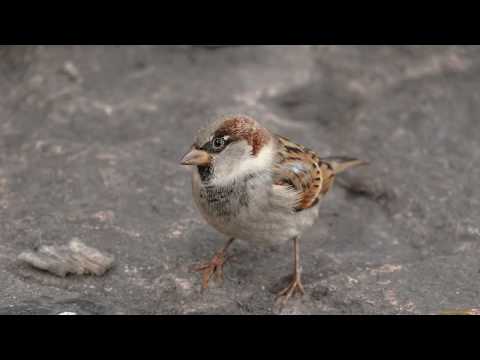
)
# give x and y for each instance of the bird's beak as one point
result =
(196, 157)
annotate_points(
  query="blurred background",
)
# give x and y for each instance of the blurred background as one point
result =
(91, 137)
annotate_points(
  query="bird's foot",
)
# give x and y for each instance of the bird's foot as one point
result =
(212, 268)
(294, 287)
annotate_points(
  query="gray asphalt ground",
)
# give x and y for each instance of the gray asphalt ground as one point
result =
(91, 137)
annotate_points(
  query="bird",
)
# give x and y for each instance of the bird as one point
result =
(251, 184)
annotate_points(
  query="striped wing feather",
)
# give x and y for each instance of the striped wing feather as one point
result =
(301, 169)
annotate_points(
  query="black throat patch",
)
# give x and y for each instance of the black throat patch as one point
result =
(205, 172)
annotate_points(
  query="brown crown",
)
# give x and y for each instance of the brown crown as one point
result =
(245, 128)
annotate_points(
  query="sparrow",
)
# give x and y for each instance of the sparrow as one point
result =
(251, 184)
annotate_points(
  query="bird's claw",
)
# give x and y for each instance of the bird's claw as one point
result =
(294, 287)
(212, 268)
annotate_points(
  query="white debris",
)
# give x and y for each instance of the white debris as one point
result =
(74, 258)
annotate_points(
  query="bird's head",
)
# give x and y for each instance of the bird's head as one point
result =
(230, 148)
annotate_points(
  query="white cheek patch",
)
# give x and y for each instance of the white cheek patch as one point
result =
(263, 161)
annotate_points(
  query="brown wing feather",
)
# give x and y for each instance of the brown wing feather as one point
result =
(300, 168)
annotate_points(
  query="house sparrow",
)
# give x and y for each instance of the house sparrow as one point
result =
(257, 186)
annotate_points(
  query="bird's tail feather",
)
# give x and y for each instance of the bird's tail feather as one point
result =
(342, 163)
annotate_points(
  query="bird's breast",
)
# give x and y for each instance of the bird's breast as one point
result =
(245, 209)
(222, 202)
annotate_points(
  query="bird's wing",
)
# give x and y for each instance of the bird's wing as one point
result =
(301, 170)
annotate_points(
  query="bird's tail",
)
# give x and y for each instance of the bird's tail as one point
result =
(342, 163)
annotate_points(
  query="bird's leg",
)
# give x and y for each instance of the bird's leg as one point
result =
(215, 266)
(296, 284)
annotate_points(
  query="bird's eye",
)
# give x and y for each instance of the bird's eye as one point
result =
(218, 143)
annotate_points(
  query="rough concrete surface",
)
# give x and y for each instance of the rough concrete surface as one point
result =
(91, 136)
